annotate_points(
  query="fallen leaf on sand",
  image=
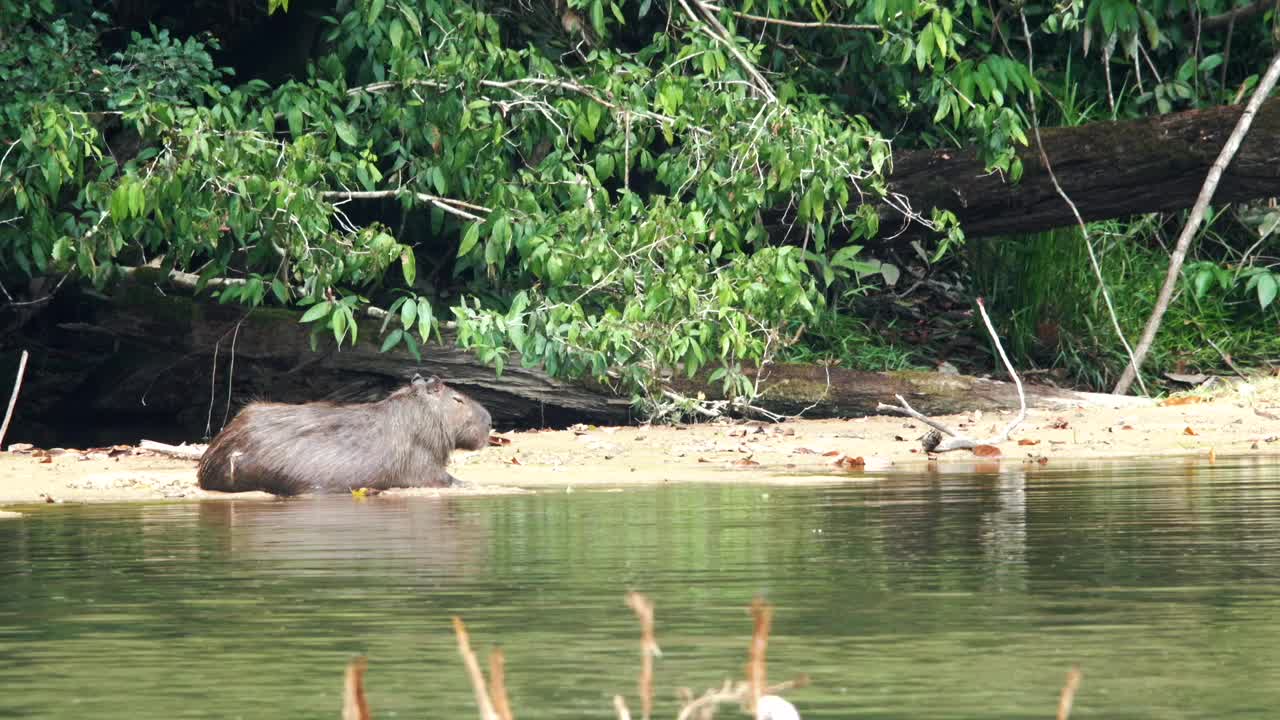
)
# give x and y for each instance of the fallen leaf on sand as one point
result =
(499, 440)
(847, 461)
(745, 462)
(1059, 424)
(516, 461)
(1189, 431)
(1028, 441)
(1213, 456)
(804, 451)
(1184, 400)
(986, 451)
(831, 453)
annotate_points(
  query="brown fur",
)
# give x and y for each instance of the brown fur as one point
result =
(403, 440)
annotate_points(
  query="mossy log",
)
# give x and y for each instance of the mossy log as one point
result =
(1109, 170)
(176, 369)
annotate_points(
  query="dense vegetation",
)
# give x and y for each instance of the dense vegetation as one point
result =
(615, 188)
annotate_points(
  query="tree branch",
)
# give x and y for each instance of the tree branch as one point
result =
(1264, 88)
(789, 23)
(449, 205)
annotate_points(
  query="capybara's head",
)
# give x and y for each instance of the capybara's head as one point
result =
(467, 420)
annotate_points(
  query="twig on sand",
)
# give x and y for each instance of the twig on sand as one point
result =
(473, 670)
(13, 397)
(1219, 166)
(1068, 693)
(643, 608)
(933, 442)
(354, 705)
(186, 452)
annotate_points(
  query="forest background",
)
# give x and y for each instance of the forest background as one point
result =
(631, 192)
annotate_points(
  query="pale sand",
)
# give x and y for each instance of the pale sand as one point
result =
(792, 452)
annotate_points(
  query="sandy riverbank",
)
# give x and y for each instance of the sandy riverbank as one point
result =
(797, 451)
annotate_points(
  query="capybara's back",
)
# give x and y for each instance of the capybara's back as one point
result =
(403, 440)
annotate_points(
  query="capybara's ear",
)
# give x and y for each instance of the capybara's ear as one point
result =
(435, 384)
(417, 380)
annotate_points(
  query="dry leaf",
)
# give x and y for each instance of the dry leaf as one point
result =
(831, 453)
(803, 451)
(516, 461)
(1059, 424)
(746, 461)
(1213, 456)
(1028, 441)
(1189, 431)
(1184, 400)
(499, 440)
(986, 451)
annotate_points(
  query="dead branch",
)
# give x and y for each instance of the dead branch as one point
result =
(186, 452)
(473, 671)
(957, 441)
(1068, 693)
(13, 397)
(354, 704)
(643, 608)
(1232, 145)
(790, 23)
(449, 205)
(718, 33)
(1213, 22)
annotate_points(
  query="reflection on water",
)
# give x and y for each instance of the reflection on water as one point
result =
(955, 596)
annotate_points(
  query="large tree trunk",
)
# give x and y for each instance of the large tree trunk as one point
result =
(172, 369)
(1109, 169)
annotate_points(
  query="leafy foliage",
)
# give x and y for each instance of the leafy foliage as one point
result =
(623, 189)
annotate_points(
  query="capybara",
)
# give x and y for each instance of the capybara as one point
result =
(403, 440)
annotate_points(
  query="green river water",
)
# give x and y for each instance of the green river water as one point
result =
(905, 596)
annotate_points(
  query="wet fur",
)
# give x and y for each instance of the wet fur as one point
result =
(403, 440)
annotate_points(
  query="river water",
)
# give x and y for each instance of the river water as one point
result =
(904, 596)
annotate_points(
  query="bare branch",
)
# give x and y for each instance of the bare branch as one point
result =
(449, 205)
(1229, 149)
(958, 441)
(718, 33)
(789, 23)
(13, 397)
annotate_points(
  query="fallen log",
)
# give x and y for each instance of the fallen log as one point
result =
(176, 369)
(1109, 169)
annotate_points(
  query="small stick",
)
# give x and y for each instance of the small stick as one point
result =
(473, 670)
(498, 690)
(354, 704)
(643, 608)
(957, 441)
(13, 397)
(1068, 693)
(187, 452)
(757, 675)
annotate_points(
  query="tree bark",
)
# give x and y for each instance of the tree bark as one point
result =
(1110, 169)
(175, 369)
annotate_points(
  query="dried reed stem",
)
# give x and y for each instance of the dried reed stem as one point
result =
(643, 608)
(473, 670)
(620, 705)
(1068, 693)
(757, 676)
(354, 705)
(498, 687)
